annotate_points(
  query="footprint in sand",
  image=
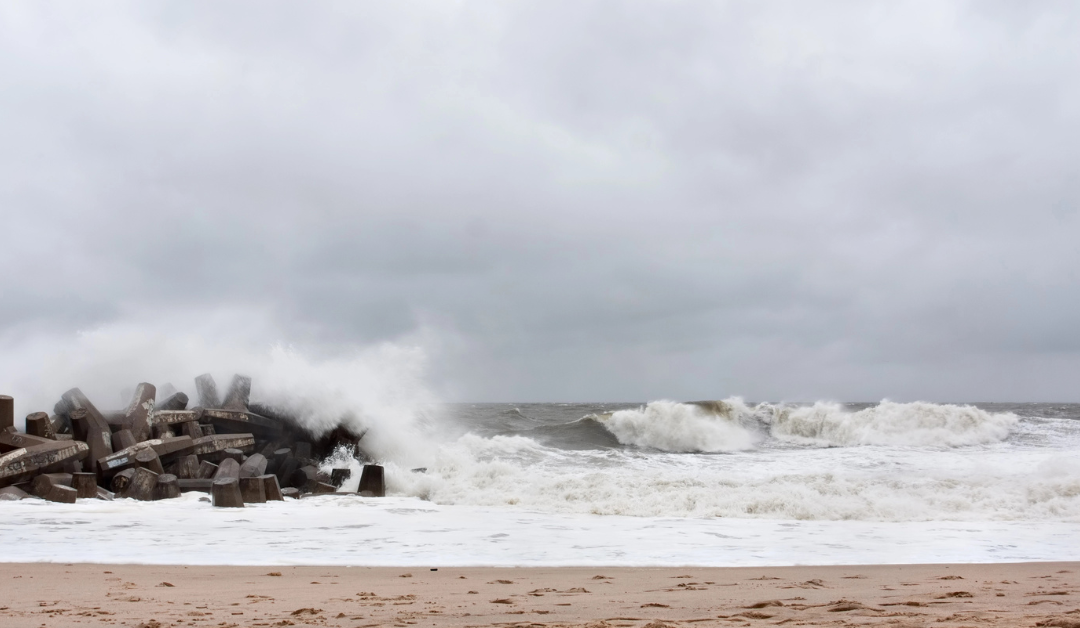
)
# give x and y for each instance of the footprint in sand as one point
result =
(953, 594)
(766, 604)
(1060, 622)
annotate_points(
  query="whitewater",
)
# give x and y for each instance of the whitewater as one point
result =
(660, 483)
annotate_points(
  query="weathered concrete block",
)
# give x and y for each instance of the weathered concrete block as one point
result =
(7, 412)
(167, 487)
(174, 417)
(60, 494)
(290, 491)
(38, 424)
(23, 464)
(207, 391)
(121, 480)
(119, 461)
(161, 431)
(239, 391)
(271, 488)
(207, 470)
(142, 485)
(12, 493)
(88, 424)
(104, 495)
(191, 429)
(61, 426)
(226, 493)
(72, 466)
(203, 485)
(302, 450)
(122, 440)
(172, 448)
(228, 468)
(85, 484)
(234, 454)
(11, 440)
(279, 456)
(230, 421)
(211, 447)
(339, 476)
(187, 467)
(305, 478)
(252, 490)
(322, 488)
(167, 449)
(43, 484)
(175, 401)
(372, 482)
(138, 413)
(208, 430)
(254, 466)
(148, 459)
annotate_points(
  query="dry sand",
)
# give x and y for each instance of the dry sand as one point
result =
(1028, 594)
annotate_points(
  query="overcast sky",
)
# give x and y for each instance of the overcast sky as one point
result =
(560, 200)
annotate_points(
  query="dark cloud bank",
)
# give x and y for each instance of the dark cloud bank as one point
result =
(561, 200)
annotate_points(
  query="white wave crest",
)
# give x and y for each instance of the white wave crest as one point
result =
(683, 427)
(917, 424)
(732, 425)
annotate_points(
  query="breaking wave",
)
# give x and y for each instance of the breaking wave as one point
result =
(925, 462)
(732, 425)
(682, 427)
(916, 424)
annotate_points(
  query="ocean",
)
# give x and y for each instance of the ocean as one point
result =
(725, 483)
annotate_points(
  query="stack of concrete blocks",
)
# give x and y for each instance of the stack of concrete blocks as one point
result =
(240, 453)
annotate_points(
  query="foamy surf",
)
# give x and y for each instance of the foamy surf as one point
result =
(900, 462)
(409, 532)
(842, 484)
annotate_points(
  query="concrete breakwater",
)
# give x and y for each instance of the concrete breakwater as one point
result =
(157, 448)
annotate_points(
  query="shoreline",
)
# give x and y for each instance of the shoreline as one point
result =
(1000, 594)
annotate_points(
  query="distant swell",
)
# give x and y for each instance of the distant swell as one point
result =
(732, 425)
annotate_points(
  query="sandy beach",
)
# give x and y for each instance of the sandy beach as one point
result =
(1025, 594)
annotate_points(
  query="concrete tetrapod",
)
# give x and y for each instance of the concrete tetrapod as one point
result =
(372, 483)
(167, 487)
(226, 493)
(252, 490)
(271, 488)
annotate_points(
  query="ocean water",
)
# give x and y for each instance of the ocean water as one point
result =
(658, 483)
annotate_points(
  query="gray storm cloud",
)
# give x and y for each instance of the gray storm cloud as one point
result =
(565, 200)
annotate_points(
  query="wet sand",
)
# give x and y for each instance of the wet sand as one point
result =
(1024, 594)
